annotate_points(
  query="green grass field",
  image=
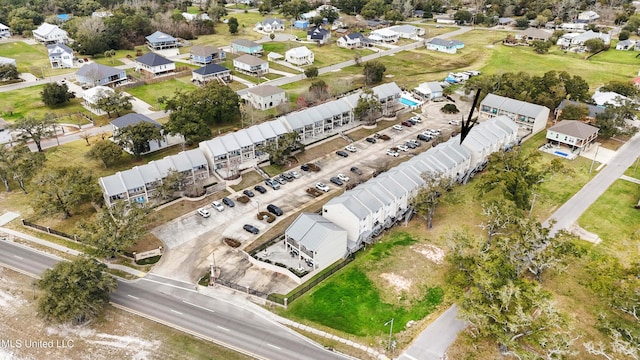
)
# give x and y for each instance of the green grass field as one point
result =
(29, 58)
(150, 93)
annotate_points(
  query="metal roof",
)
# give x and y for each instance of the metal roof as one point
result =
(159, 36)
(153, 59)
(229, 142)
(313, 231)
(98, 71)
(148, 172)
(132, 119)
(512, 106)
(576, 129)
(211, 69)
(112, 185)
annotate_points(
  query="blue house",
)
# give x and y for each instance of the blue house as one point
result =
(206, 54)
(447, 46)
(301, 24)
(159, 41)
(95, 74)
(246, 46)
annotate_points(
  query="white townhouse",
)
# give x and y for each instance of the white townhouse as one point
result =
(48, 34)
(431, 90)
(528, 116)
(316, 240)
(265, 97)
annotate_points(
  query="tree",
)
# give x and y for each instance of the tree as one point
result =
(311, 72)
(30, 128)
(574, 112)
(330, 14)
(294, 8)
(272, 36)
(115, 102)
(623, 88)
(429, 196)
(594, 45)
(137, 137)
(116, 229)
(612, 121)
(373, 72)
(278, 152)
(25, 164)
(91, 37)
(174, 181)
(393, 16)
(541, 47)
(55, 94)
(5, 166)
(9, 72)
(62, 189)
(624, 35)
(105, 151)
(368, 107)
(233, 25)
(193, 112)
(319, 89)
(462, 16)
(110, 54)
(75, 291)
(499, 214)
(522, 23)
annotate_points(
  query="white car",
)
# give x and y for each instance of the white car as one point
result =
(416, 119)
(217, 205)
(204, 212)
(397, 127)
(454, 122)
(295, 174)
(322, 187)
(392, 153)
(343, 177)
(403, 147)
(351, 148)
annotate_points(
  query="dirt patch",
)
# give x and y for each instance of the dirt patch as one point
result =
(398, 282)
(431, 252)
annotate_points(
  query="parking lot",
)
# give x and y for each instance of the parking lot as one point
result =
(193, 242)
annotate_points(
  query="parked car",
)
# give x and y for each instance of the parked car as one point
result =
(274, 184)
(403, 147)
(424, 137)
(406, 123)
(392, 153)
(377, 136)
(304, 167)
(416, 119)
(343, 177)
(280, 179)
(287, 176)
(204, 212)
(415, 142)
(370, 140)
(351, 148)
(342, 153)
(250, 228)
(249, 193)
(411, 121)
(217, 205)
(228, 202)
(410, 145)
(454, 122)
(355, 170)
(397, 127)
(260, 189)
(295, 174)
(274, 210)
(322, 187)
(336, 180)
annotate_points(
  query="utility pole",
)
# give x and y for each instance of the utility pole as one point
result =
(532, 203)
(390, 322)
(594, 158)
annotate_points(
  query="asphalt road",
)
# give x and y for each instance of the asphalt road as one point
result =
(209, 318)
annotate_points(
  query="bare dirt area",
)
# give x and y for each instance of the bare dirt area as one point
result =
(116, 335)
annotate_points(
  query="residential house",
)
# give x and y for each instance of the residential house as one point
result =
(246, 46)
(91, 96)
(251, 65)
(139, 184)
(315, 240)
(384, 35)
(319, 35)
(49, 34)
(431, 90)
(265, 97)
(418, 14)
(211, 72)
(531, 34)
(447, 46)
(309, 15)
(531, 117)
(5, 31)
(588, 17)
(625, 45)
(206, 54)
(133, 119)
(270, 25)
(299, 56)
(576, 41)
(377, 24)
(589, 118)
(272, 56)
(154, 64)
(408, 31)
(161, 41)
(575, 27)
(95, 74)
(196, 17)
(506, 21)
(101, 14)
(444, 19)
(604, 98)
(7, 61)
(60, 56)
(301, 24)
(353, 41)
(574, 134)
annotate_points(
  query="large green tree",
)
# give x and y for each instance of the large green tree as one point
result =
(429, 196)
(34, 129)
(138, 137)
(105, 151)
(574, 112)
(192, 113)
(368, 107)
(75, 291)
(278, 152)
(233, 26)
(9, 72)
(373, 72)
(63, 189)
(54, 94)
(114, 103)
(24, 164)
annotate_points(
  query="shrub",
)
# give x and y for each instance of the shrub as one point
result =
(232, 242)
(450, 109)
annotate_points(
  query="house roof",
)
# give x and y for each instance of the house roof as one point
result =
(132, 119)
(210, 69)
(313, 231)
(535, 33)
(384, 32)
(159, 36)
(98, 71)
(512, 105)
(593, 109)
(603, 98)
(3, 27)
(272, 21)
(405, 29)
(265, 90)
(204, 50)
(58, 49)
(387, 90)
(301, 51)
(318, 33)
(429, 87)
(446, 43)
(354, 36)
(588, 35)
(250, 60)
(574, 128)
(46, 29)
(274, 56)
(245, 43)
(6, 60)
(153, 59)
(97, 92)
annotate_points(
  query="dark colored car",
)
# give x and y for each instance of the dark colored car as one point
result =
(287, 176)
(342, 153)
(424, 137)
(356, 171)
(371, 140)
(274, 210)
(377, 136)
(336, 180)
(250, 228)
(304, 167)
(228, 202)
(411, 122)
(249, 193)
(406, 123)
(410, 145)
(260, 189)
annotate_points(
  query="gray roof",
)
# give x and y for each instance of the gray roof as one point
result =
(446, 43)
(354, 206)
(317, 33)
(268, 21)
(299, 119)
(256, 134)
(132, 119)
(245, 43)
(574, 128)
(153, 59)
(54, 49)
(512, 105)
(98, 71)
(112, 184)
(250, 60)
(593, 109)
(535, 33)
(265, 90)
(210, 69)
(313, 231)
(199, 50)
(159, 36)
(387, 90)
(408, 29)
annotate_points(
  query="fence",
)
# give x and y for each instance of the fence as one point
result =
(244, 289)
(50, 230)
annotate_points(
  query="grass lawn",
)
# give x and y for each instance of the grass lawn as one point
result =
(29, 58)
(27, 102)
(151, 92)
(249, 179)
(352, 302)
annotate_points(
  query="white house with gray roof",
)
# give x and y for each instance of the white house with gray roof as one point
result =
(133, 119)
(60, 56)
(5, 31)
(161, 41)
(154, 64)
(95, 74)
(49, 34)
(572, 133)
(530, 117)
(446, 46)
(408, 31)
(431, 90)
(139, 184)
(316, 240)
(270, 25)
(265, 97)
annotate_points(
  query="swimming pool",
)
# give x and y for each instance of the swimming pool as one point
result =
(561, 153)
(408, 102)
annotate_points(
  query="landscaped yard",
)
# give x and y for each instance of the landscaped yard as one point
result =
(151, 93)
(29, 58)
